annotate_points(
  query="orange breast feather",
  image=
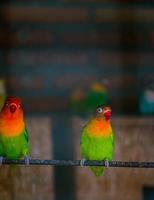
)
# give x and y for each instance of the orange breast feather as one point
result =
(99, 128)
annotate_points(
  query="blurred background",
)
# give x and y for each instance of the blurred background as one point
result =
(64, 58)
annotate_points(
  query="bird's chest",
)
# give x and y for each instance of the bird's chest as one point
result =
(98, 129)
(11, 128)
(97, 148)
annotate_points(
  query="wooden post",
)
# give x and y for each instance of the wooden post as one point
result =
(31, 182)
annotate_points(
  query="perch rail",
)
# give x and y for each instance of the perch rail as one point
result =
(77, 163)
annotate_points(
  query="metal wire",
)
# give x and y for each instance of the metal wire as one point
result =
(77, 163)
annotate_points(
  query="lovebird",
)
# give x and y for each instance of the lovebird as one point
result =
(97, 95)
(86, 99)
(97, 139)
(13, 132)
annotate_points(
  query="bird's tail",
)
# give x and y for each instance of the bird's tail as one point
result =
(97, 170)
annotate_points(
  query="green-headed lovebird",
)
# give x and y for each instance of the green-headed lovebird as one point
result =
(84, 99)
(13, 132)
(97, 139)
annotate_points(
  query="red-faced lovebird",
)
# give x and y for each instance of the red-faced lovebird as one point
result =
(13, 132)
(97, 139)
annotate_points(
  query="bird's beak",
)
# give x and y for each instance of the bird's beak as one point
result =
(13, 108)
(107, 114)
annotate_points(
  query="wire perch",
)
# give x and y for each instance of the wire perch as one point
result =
(77, 163)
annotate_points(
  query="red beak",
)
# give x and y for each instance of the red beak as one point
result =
(13, 108)
(107, 114)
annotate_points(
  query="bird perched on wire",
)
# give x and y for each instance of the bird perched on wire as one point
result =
(97, 139)
(13, 132)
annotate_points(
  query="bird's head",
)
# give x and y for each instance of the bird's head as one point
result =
(12, 106)
(103, 112)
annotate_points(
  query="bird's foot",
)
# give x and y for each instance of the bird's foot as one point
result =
(107, 163)
(26, 159)
(1, 160)
(82, 162)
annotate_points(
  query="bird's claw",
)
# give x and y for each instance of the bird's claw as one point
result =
(106, 162)
(1, 160)
(82, 162)
(26, 159)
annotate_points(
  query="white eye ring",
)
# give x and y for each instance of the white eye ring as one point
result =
(99, 110)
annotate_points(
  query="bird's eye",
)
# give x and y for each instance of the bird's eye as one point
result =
(7, 104)
(99, 110)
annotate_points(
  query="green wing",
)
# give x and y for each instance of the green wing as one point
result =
(113, 138)
(26, 135)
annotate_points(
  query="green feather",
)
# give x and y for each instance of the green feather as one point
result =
(26, 135)
(96, 148)
(14, 147)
